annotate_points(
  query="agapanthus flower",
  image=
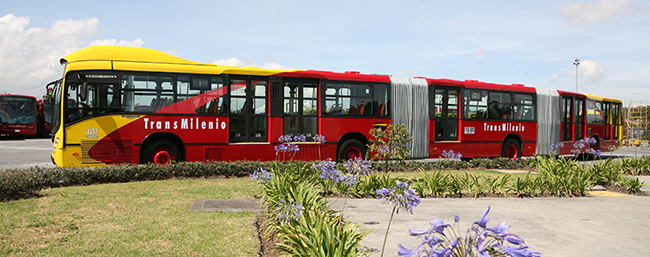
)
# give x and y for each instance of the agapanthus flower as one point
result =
(521, 251)
(357, 166)
(451, 155)
(478, 241)
(289, 211)
(285, 138)
(261, 175)
(401, 195)
(327, 170)
(319, 139)
(383, 149)
(348, 180)
(299, 138)
(483, 221)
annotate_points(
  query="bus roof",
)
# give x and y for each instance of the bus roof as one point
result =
(569, 93)
(119, 57)
(475, 84)
(15, 95)
(603, 98)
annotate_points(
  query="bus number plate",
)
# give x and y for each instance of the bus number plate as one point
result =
(469, 130)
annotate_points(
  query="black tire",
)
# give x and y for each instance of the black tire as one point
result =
(154, 152)
(350, 149)
(511, 149)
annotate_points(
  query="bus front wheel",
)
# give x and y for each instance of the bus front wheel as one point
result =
(161, 152)
(511, 149)
(351, 149)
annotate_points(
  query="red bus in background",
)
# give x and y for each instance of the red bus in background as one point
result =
(17, 115)
(136, 105)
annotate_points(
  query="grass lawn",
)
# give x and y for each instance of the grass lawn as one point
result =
(140, 218)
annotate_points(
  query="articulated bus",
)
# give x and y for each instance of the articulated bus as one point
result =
(17, 115)
(136, 105)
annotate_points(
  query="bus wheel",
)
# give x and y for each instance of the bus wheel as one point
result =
(351, 149)
(511, 149)
(161, 152)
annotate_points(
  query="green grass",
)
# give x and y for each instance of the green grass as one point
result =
(141, 218)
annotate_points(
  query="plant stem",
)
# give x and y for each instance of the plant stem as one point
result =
(387, 229)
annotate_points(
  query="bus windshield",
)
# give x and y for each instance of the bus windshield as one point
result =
(17, 110)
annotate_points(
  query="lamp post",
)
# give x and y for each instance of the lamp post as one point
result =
(576, 62)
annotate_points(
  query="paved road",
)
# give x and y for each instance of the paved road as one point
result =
(25, 153)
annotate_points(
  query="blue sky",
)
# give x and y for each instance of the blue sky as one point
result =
(510, 41)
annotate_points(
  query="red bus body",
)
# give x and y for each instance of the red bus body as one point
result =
(17, 115)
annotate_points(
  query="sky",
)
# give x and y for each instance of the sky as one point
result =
(508, 41)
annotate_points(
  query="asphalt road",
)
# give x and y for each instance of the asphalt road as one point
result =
(24, 153)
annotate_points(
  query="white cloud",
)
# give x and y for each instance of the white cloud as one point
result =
(594, 12)
(591, 70)
(230, 62)
(113, 42)
(554, 77)
(479, 54)
(233, 61)
(29, 56)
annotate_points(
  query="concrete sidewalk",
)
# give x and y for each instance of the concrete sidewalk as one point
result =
(585, 226)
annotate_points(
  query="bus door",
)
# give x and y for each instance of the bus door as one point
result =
(567, 121)
(248, 109)
(607, 107)
(579, 117)
(300, 107)
(616, 122)
(445, 113)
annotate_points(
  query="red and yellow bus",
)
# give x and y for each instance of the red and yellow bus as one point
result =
(17, 115)
(136, 105)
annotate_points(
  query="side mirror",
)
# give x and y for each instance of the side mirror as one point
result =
(83, 91)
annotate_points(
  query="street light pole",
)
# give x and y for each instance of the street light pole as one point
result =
(576, 62)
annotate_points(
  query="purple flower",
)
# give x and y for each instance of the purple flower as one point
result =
(357, 166)
(438, 226)
(319, 139)
(451, 155)
(299, 138)
(499, 228)
(285, 138)
(292, 148)
(402, 196)
(405, 252)
(328, 170)
(261, 175)
(288, 212)
(383, 149)
(348, 180)
(456, 218)
(483, 221)
(521, 251)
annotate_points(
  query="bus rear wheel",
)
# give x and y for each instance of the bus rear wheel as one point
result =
(161, 152)
(351, 149)
(511, 149)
